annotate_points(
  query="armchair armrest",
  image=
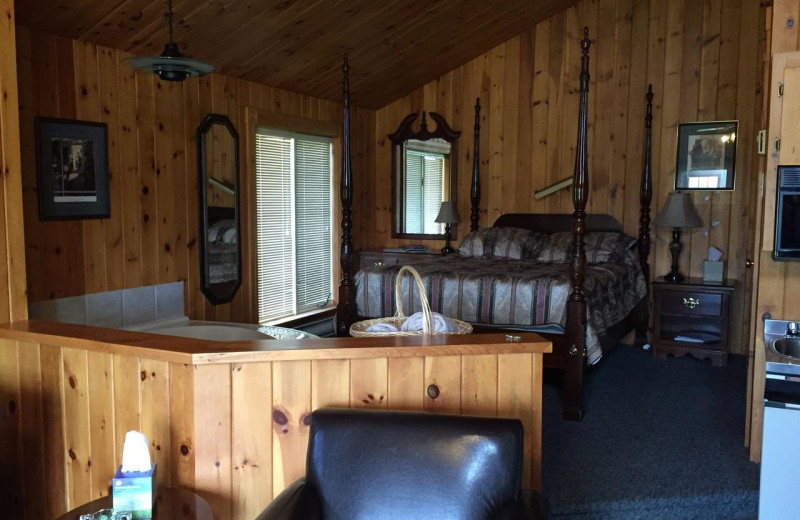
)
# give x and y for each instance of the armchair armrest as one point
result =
(299, 501)
(529, 505)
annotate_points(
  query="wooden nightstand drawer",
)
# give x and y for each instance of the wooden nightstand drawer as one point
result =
(691, 303)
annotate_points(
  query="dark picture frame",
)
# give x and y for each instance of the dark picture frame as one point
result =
(706, 158)
(72, 169)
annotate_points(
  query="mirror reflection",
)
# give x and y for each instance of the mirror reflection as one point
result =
(424, 175)
(218, 187)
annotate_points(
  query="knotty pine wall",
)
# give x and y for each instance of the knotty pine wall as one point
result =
(703, 60)
(151, 236)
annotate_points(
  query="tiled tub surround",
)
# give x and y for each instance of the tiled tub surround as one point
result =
(114, 309)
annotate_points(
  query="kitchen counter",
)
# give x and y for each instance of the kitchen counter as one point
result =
(230, 419)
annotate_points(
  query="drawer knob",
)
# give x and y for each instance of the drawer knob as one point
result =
(691, 302)
(433, 391)
(379, 263)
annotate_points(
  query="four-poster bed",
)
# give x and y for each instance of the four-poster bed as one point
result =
(570, 351)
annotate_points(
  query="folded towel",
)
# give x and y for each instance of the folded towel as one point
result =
(440, 323)
(382, 327)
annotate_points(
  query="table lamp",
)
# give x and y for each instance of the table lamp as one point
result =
(448, 214)
(678, 212)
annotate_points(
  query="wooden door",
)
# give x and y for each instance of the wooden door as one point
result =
(777, 282)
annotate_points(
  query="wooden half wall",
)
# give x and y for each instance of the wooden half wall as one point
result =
(704, 61)
(151, 236)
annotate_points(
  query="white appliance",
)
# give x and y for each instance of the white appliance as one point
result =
(780, 458)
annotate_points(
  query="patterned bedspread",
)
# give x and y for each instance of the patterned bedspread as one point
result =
(507, 292)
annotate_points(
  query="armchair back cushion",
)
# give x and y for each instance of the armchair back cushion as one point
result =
(367, 465)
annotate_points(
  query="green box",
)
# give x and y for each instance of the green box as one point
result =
(134, 492)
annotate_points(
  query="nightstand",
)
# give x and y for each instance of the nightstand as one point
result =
(368, 258)
(692, 310)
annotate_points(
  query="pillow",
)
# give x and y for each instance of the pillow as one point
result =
(601, 247)
(503, 242)
(218, 229)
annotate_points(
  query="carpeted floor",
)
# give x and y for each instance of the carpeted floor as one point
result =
(660, 440)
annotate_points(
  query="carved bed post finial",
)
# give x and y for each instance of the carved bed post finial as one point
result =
(475, 188)
(345, 309)
(646, 191)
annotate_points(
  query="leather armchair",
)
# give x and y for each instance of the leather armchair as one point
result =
(377, 465)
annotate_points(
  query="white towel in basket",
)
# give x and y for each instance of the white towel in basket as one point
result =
(440, 323)
(382, 327)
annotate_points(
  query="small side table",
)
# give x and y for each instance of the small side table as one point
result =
(171, 504)
(692, 308)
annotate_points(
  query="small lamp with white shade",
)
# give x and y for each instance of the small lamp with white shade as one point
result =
(448, 214)
(678, 212)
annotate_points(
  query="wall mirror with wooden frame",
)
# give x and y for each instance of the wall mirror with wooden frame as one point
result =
(424, 165)
(219, 226)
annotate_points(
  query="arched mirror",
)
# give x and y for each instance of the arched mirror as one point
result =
(219, 231)
(423, 176)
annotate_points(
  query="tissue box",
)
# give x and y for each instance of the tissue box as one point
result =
(134, 492)
(712, 271)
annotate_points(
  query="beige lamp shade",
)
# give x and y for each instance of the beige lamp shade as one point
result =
(448, 214)
(678, 212)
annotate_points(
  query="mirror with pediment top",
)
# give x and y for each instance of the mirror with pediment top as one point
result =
(423, 176)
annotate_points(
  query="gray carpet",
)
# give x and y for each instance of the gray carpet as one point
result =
(660, 440)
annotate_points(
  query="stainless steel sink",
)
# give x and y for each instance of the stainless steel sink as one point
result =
(789, 347)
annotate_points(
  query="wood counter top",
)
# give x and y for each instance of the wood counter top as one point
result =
(200, 352)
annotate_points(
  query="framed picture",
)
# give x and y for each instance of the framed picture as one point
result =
(706, 156)
(72, 169)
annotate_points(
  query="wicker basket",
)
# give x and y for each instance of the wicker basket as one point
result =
(360, 328)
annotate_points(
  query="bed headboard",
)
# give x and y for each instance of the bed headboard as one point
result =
(550, 223)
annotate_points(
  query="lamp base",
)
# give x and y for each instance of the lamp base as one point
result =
(674, 277)
(447, 250)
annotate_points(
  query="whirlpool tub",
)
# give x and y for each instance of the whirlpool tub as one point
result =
(218, 330)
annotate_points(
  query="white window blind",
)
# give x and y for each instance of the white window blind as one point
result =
(294, 219)
(424, 191)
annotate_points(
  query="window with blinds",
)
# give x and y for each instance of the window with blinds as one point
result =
(294, 219)
(424, 191)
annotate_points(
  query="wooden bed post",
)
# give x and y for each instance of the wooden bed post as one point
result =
(646, 192)
(572, 398)
(475, 188)
(645, 197)
(346, 308)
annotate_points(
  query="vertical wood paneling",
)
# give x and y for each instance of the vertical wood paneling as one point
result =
(53, 419)
(155, 416)
(77, 434)
(405, 381)
(101, 422)
(182, 445)
(479, 385)
(250, 439)
(443, 372)
(151, 236)
(517, 399)
(11, 473)
(368, 383)
(32, 426)
(330, 383)
(291, 409)
(14, 303)
(700, 61)
(212, 423)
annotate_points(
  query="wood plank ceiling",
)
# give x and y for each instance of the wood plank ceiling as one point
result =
(395, 46)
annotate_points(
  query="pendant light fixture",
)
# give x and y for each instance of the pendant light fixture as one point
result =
(171, 65)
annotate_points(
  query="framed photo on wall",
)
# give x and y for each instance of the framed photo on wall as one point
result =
(72, 169)
(706, 156)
